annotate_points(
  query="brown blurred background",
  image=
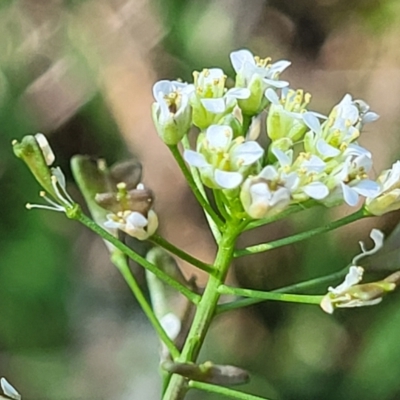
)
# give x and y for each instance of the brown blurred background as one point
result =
(82, 72)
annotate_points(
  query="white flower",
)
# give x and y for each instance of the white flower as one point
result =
(285, 115)
(304, 173)
(260, 196)
(349, 293)
(388, 196)
(351, 178)
(222, 160)
(133, 223)
(211, 101)
(9, 390)
(171, 111)
(257, 75)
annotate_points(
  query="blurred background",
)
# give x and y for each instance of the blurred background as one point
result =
(82, 72)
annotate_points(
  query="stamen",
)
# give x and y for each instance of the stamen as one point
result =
(54, 182)
(29, 206)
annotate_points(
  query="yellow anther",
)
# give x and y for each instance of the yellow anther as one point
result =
(14, 142)
(121, 186)
(307, 98)
(42, 193)
(28, 206)
(239, 140)
(343, 146)
(262, 62)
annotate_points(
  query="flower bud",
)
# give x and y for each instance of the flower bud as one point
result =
(208, 372)
(36, 153)
(285, 115)
(261, 197)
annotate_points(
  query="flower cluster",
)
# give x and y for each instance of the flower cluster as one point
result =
(310, 156)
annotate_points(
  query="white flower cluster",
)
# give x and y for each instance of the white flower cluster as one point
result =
(310, 156)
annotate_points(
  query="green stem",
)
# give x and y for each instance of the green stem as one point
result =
(160, 241)
(259, 248)
(216, 231)
(258, 294)
(189, 178)
(309, 284)
(205, 311)
(79, 216)
(246, 123)
(120, 261)
(219, 201)
(224, 391)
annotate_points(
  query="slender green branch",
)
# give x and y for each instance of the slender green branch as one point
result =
(189, 178)
(309, 284)
(160, 241)
(219, 201)
(79, 216)
(258, 294)
(215, 229)
(259, 248)
(224, 391)
(120, 261)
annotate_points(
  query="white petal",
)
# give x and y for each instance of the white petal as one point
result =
(356, 150)
(275, 83)
(216, 106)
(279, 66)
(9, 390)
(239, 57)
(269, 173)
(284, 158)
(59, 176)
(47, 152)
(249, 152)
(353, 277)
(260, 192)
(271, 95)
(314, 164)
(171, 324)
(136, 220)
(367, 188)
(312, 122)
(238, 93)
(195, 159)
(377, 236)
(227, 179)
(316, 190)
(219, 136)
(113, 225)
(350, 196)
(369, 117)
(326, 150)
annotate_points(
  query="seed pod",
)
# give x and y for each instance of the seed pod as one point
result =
(208, 372)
